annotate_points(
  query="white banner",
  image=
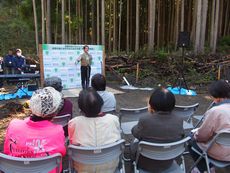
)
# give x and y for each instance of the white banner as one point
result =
(59, 60)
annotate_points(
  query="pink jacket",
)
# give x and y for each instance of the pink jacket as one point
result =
(25, 138)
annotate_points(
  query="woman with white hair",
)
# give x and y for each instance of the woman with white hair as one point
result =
(37, 136)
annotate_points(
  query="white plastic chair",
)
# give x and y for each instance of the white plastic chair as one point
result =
(130, 117)
(186, 112)
(221, 138)
(96, 155)
(10, 164)
(162, 151)
(62, 119)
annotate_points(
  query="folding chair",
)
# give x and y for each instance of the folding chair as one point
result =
(130, 117)
(96, 155)
(222, 138)
(10, 164)
(186, 112)
(162, 151)
(62, 120)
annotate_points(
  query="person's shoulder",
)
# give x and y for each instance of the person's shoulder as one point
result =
(68, 102)
(17, 123)
(76, 119)
(111, 117)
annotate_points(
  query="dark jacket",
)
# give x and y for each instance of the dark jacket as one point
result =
(159, 127)
(20, 61)
(9, 61)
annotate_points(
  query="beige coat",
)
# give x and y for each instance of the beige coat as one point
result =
(216, 119)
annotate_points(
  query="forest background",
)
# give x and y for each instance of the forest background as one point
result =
(133, 31)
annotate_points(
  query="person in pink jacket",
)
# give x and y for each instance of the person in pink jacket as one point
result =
(37, 136)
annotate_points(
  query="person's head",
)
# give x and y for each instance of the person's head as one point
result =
(10, 52)
(220, 90)
(86, 48)
(46, 103)
(18, 52)
(98, 82)
(90, 102)
(54, 82)
(162, 100)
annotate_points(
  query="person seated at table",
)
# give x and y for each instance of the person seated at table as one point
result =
(93, 128)
(36, 136)
(9, 62)
(20, 61)
(67, 108)
(98, 82)
(216, 119)
(161, 125)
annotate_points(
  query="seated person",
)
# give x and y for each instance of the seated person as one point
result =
(98, 82)
(67, 108)
(216, 119)
(9, 62)
(93, 129)
(36, 136)
(159, 126)
(20, 61)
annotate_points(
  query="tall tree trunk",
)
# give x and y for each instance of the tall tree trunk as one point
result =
(212, 24)
(227, 16)
(93, 32)
(70, 34)
(48, 22)
(220, 26)
(151, 30)
(119, 31)
(110, 27)
(63, 21)
(203, 24)
(216, 26)
(98, 21)
(194, 16)
(86, 21)
(35, 25)
(198, 27)
(182, 16)
(158, 23)
(114, 25)
(127, 26)
(56, 24)
(137, 25)
(177, 23)
(43, 22)
(103, 22)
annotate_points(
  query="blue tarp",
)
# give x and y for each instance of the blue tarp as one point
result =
(22, 92)
(182, 91)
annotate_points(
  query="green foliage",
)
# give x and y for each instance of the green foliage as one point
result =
(224, 44)
(15, 33)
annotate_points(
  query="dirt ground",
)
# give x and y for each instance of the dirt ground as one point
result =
(129, 99)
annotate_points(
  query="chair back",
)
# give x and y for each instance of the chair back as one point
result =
(96, 155)
(10, 164)
(127, 114)
(161, 151)
(185, 112)
(223, 138)
(62, 119)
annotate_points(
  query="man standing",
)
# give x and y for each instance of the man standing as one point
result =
(20, 61)
(9, 62)
(86, 60)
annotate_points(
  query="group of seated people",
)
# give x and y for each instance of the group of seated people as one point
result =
(37, 136)
(13, 62)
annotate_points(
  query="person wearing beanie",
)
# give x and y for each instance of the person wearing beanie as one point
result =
(36, 136)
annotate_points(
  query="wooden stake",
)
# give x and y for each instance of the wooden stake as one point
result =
(137, 72)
